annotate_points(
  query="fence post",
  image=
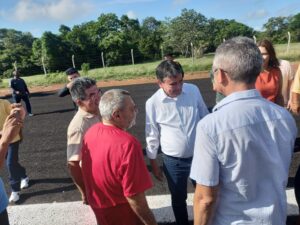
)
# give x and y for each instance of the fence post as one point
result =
(102, 57)
(162, 52)
(132, 57)
(192, 51)
(254, 38)
(289, 41)
(15, 66)
(73, 61)
(44, 68)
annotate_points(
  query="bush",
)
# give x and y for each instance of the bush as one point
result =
(85, 67)
(8, 73)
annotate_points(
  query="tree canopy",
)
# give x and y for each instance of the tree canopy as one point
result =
(116, 38)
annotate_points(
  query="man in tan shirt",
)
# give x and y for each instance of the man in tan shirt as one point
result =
(86, 95)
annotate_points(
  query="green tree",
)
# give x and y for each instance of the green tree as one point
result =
(151, 38)
(15, 46)
(294, 27)
(276, 29)
(54, 51)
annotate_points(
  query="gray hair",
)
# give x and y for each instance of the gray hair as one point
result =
(111, 101)
(79, 86)
(240, 58)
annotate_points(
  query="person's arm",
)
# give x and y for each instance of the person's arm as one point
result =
(290, 84)
(295, 103)
(63, 92)
(204, 201)
(26, 88)
(279, 98)
(12, 88)
(152, 140)
(11, 128)
(139, 205)
(157, 172)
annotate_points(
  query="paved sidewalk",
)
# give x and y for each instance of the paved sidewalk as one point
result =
(72, 213)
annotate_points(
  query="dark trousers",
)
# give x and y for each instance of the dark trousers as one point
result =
(297, 187)
(25, 98)
(15, 170)
(4, 218)
(177, 171)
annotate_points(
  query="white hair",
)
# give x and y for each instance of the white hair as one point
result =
(111, 101)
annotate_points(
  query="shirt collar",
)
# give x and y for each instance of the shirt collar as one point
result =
(85, 114)
(252, 93)
(164, 96)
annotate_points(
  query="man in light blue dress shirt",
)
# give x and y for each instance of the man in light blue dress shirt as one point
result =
(243, 149)
(172, 114)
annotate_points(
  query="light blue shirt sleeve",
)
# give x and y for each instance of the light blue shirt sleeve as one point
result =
(205, 164)
(3, 197)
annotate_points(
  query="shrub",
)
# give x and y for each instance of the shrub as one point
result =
(85, 67)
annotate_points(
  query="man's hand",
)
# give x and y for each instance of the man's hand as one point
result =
(294, 105)
(156, 170)
(139, 205)
(18, 110)
(69, 85)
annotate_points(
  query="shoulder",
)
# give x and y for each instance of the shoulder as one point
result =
(191, 88)
(77, 123)
(156, 97)
(93, 130)
(5, 103)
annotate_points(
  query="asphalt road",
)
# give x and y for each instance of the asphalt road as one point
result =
(43, 150)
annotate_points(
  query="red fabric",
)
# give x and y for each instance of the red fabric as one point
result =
(113, 166)
(267, 83)
(118, 215)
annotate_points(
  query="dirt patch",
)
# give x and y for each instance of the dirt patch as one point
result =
(109, 83)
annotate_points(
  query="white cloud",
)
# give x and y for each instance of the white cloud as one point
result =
(179, 2)
(59, 10)
(259, 14)
(288, 10)
(113, 2)
(131, 14)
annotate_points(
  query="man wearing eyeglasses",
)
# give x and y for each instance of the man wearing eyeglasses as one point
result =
(86, 95)
(72, 74)
(243, 149)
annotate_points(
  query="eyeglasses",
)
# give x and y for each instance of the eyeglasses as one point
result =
(93, 95)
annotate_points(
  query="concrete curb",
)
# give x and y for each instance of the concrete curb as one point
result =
(72, 213)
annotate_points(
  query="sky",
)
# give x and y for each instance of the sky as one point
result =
(38, 16)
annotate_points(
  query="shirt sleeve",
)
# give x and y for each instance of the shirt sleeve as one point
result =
(205, 164)
(151, 131)
(25, 86)
(11, 85)
(63, 92)
(134, 173)
(74, 145)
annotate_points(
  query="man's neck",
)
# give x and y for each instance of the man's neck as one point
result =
(111, 123)
(237, 87)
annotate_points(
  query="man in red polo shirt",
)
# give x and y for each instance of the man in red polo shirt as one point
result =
(114, 171)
